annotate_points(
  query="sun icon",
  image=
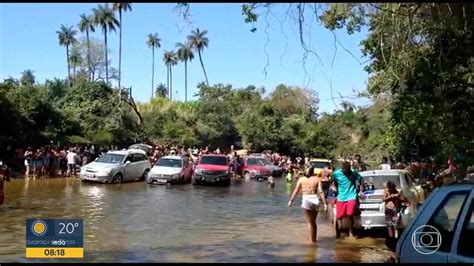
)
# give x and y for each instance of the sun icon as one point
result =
(39, 228)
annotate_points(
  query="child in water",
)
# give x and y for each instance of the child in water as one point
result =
(271, 182)
(289, 177)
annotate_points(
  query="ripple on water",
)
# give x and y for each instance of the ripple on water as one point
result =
(136, 222)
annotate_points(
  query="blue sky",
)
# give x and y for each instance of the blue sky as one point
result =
(236, 56)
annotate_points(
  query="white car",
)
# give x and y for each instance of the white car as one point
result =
(171, 169)
(116, 167)
(372, 207)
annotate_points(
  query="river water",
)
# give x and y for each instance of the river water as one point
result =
(137, 222)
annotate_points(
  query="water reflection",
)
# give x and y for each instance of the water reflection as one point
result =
(136, 222)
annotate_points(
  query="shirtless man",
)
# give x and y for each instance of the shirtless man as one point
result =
(4, 176)
(310, 187)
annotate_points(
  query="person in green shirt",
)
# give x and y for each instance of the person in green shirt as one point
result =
(349, 186)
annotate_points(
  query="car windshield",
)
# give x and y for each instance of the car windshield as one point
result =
(217, 160)
(111, 158)
(265, 161)
(379, 181)
(167, 162)
(319, 165)
(255, 161)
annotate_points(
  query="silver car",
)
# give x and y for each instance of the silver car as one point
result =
(116, 167)
(171, 169)
(372, 207)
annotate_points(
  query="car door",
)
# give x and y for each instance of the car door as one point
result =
(430, 236)
(463, 251)
(138, 162)
(128, 168)
(188, 169)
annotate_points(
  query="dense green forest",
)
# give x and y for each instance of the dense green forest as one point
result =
(421, 73)
(285, 120)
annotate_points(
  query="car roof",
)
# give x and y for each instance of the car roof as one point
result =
(390, 172)
(126, 152)
(320, 160)
(174, 157)
(255, 157)
(457, 186)
(214, 155)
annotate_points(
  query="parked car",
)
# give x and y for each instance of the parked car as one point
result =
(443, 229)
(212, 169)
(319, 164)
(171, 169)
(255, 168)
(372, 207)
(277, 171)
(116, 167)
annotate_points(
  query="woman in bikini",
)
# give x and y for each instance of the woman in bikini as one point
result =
(310, 187)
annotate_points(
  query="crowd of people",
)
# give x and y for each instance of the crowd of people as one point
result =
(51, 160)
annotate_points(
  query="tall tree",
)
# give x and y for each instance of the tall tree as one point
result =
(104, 16)
(27, 77)
(199, 41)
(161, 91)
(75, 59)
(121, 7)
(185, 54)
(66, 36)
(86, 24)
(152, 42)
(167, 60)
(173, 62)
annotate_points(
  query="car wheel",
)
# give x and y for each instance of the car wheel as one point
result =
(149, 181)
(117, 179)
(144, 175)
(247, 175)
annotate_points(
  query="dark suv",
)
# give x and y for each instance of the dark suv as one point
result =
(212, 169)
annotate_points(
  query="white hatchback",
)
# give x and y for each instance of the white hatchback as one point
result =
(116, 167)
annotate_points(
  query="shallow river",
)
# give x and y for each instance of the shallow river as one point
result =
(137, 222)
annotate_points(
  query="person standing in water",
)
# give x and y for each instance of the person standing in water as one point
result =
(310, 187)
(350, 187)
(4, 176)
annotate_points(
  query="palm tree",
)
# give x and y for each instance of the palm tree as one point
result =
(121, 7)
(167, 60)
(199, 41)
(185, 54)
(75, 59)
(66, 38)
(86, 24)
(152, 42)
(173, 62)
(105, 17)
(161, 91)
(27, 77)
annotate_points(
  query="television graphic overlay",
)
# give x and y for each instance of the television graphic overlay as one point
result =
(54, 238)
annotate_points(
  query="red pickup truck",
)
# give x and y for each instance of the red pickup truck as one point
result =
(212, 169)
